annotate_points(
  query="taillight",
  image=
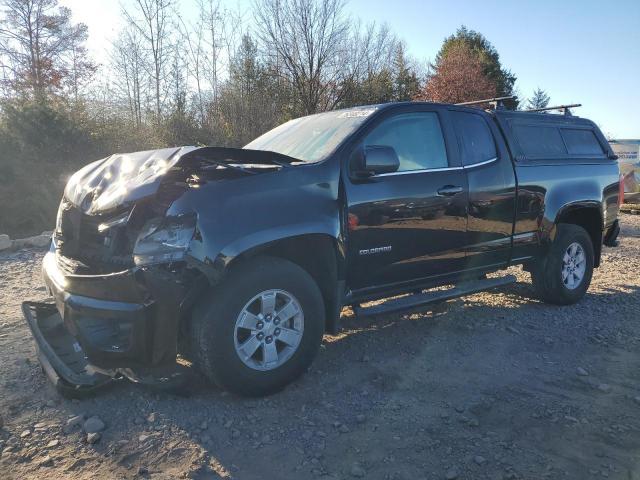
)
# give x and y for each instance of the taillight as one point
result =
(352, 222)
(621, 190)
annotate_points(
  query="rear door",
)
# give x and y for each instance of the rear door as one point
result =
(410, 224)
(492, 189)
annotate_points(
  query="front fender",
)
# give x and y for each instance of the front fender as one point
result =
(329, 226)
(234, 217)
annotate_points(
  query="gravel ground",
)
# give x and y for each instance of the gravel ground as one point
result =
(496, 385)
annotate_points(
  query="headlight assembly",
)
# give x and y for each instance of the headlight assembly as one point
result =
(164, 240)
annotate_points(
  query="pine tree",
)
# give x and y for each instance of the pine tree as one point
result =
(539, 99)
(405, 83)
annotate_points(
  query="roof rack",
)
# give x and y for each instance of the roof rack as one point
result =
(496, 102)
(564, 108)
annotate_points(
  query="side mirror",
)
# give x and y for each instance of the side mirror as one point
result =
(377, 159)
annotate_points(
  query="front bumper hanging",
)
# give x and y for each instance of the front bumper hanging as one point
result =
(60, 355)
(97, 328)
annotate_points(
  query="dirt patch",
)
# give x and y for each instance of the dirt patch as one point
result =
(496, 385)
(633, 209)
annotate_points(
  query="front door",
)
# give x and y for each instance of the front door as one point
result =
(410, 224)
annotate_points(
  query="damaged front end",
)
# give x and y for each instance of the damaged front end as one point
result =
(120, 269)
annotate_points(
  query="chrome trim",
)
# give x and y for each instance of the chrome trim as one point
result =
(486, 162)
(423, 170)
(525, 236)
(444, 169)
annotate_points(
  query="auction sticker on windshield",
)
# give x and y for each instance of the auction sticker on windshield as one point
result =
(365, 112)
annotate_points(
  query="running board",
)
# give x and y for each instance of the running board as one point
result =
(420, 299)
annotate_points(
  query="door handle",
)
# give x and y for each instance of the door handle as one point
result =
(449, 190)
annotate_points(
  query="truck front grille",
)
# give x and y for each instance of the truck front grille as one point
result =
(88, 250)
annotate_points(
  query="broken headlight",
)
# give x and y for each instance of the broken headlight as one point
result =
(164, 240)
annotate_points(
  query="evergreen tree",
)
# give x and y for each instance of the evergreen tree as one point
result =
(251, 100)
(539, 99)
(406, 84)
(488, 56)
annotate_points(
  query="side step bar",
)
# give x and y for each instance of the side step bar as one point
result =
(420, 299)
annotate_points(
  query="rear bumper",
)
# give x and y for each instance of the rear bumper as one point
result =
(121, 320)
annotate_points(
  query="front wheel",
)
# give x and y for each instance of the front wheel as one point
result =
(563, 276)
(260, 329)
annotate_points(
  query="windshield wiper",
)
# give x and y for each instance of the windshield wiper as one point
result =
(282, 164)
(231, 157)
(227, 165)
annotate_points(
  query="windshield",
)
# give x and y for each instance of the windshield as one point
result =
(312, 138)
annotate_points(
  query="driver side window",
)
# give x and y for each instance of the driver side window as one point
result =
(416, 137)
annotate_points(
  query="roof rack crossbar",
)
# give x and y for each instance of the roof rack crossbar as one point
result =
(497, 102)
(564, 108)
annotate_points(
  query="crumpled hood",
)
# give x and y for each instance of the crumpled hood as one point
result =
(126, 177)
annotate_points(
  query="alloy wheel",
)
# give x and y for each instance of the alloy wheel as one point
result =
(269, 329)
(574, 265)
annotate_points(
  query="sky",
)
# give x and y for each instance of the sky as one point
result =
(579, 51)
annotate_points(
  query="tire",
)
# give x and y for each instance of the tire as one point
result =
(218, 342)
(550, 281)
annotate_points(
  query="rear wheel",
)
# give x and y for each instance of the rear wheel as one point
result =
(563, 276)
(260, 329)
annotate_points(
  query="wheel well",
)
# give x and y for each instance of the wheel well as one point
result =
(316, 254)
(590, 219)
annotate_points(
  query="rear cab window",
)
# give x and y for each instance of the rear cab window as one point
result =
(474, 138)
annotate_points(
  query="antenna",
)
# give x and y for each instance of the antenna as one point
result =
(496, 102)
(564, 108)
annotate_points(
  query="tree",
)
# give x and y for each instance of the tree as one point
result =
(129, 63)
(406, 84)
(250, 102)
(307, 40)
(323, 57)
(41, 51)
(459, 77)
(81, 67)
(539, 99)
(151, 18)
(211, 24)
(376, 87)
(379, 69)
(488, 57)
(191, 36)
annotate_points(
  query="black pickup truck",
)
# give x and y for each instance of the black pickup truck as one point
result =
(241, 259)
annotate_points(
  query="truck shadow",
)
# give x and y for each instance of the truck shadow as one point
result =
(358, 330)
(374, 360)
